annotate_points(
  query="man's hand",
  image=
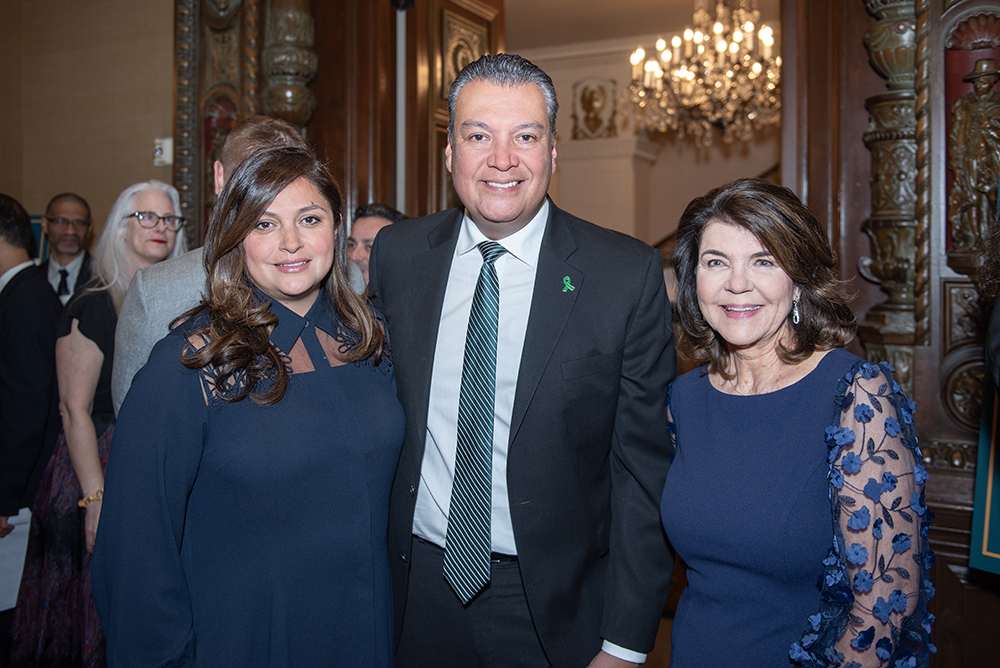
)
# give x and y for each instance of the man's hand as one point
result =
(605, 660)
(5, 526)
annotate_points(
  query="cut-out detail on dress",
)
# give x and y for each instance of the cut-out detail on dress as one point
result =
(334, 348)
(875, 586)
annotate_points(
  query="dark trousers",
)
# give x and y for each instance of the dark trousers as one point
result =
(493, 631)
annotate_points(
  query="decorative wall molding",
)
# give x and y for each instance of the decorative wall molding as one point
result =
(186, 115)
(922, 209)
(962, 314)
(979, 31)
(251, 33)
(618, 147)
(956, 456)
(963, 394)
(463, 42)
(595, 108)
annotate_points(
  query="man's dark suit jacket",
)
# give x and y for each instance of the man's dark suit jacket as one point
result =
(29, 310)
(86, 271)
(588, 440)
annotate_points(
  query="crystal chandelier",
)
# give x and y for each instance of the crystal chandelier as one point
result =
(721, 79)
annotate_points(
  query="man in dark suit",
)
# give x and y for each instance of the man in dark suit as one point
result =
(524, 520)
(66, 224)
(28, 313)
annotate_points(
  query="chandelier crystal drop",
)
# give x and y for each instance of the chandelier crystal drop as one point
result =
(721, 78)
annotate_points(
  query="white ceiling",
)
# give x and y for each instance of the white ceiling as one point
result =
(535, 24)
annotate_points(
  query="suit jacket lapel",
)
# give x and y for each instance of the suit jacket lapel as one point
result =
(430, 268)
(85, 272)
(551, 303)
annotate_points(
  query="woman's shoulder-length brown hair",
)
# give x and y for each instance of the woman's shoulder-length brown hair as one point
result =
(791, 233)
(237, 332)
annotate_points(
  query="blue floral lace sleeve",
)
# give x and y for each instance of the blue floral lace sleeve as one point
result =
(875, 587)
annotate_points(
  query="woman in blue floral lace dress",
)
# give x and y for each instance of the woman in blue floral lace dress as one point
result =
(796, 494)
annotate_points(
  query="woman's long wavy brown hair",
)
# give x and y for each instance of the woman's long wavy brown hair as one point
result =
(238, 349)
(788, 229)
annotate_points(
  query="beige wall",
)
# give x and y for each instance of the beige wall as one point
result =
(11, 98)
(87, 87)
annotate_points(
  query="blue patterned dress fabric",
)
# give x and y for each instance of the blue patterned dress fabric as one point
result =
(801, 519)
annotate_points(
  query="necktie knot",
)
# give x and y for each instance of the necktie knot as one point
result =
(491, 250)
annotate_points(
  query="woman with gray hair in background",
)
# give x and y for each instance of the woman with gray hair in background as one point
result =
(55, 623)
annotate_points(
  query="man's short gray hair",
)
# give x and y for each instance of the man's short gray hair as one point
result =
(507, 70)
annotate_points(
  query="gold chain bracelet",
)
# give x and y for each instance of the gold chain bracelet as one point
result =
(87, 501)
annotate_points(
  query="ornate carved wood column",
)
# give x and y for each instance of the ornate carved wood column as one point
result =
(888, 330)
(222, 78)
(289, 62)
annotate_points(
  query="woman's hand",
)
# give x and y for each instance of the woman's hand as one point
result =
(90, 527)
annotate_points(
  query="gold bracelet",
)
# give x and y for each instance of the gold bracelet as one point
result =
(87, 501)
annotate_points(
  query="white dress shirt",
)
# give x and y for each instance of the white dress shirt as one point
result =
(72, 273)
(516, 273)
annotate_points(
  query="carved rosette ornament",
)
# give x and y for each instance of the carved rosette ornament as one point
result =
(963, 394)
(289, 62)
(888, 329)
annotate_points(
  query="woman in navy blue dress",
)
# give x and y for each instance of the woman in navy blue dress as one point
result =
(796, 493)
(246, 502)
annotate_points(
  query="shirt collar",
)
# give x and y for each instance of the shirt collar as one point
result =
(73, 266)
(291, 324)
(11, 273)
(523, 244)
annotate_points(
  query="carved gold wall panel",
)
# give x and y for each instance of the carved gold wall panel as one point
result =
(463, 42)
(962, 315)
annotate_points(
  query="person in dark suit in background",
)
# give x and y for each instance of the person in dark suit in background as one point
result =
(28, 314)
(66, 224)
(368, 219)
(542, 546)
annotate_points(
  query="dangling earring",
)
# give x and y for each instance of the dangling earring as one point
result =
(795, 312)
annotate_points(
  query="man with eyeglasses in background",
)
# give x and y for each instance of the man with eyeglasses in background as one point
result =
(66, 224)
